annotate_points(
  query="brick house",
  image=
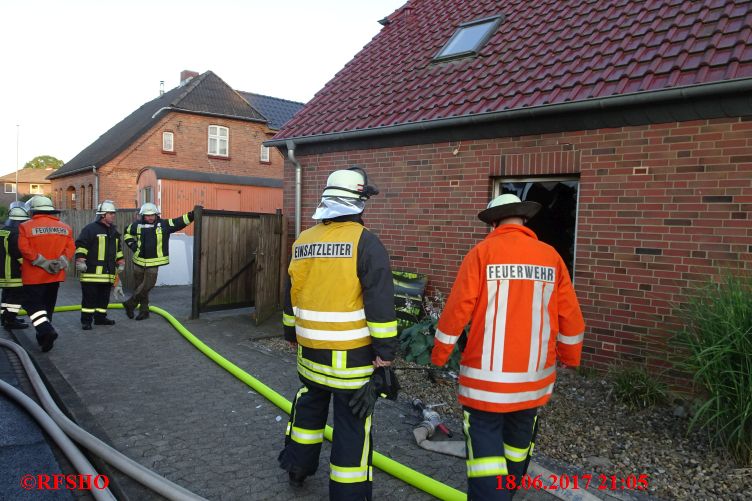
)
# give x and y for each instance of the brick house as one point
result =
(30, 182)
(202, 125)
(630, 121)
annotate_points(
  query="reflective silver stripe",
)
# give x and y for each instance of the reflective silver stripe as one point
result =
(445, 338)
(288, 320)
(486, 467)
(383, 332)
(548, 290)
(37, 314)
(488, 332)
(506, 377)
(505, 398)
(330, 316)
(339, 359)
(516, 454)
(365, 370)
(333, 382)
(40, 320)
(535, 325)
(576, 339)
(500, 329)
(307, 436)
(326, 335)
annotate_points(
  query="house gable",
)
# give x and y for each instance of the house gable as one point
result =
(206, 94)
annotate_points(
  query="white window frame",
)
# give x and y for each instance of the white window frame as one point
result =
(168, 141)
(35, 189)
(147, 195)
(10, 187)
(216, 141)
(265, 154)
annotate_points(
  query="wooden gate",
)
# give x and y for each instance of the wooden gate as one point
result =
(236, 261)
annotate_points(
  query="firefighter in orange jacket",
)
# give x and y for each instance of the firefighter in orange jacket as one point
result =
(516, 293)
(46, 244)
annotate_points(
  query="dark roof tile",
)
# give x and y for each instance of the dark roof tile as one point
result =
(544, 52)
(277, 111)
(206, 93)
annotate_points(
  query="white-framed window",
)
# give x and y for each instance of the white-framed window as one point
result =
(264, 157)
(219, 140)
(168, 141)
(146, 195)
(10, 187)
(36, 189)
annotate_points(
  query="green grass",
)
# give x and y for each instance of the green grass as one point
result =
(635, 388)
(717, 339)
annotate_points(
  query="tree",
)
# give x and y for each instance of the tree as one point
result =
(43, 162)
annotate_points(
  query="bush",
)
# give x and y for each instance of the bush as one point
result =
(416, 340)
(718, 339)
(635, 388)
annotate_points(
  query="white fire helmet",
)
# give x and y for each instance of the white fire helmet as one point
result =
(40, 203)
(18, 212)
(148, 209)
(349, 183)
(105, 207)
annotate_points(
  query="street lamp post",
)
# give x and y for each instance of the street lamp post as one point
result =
(18, 133)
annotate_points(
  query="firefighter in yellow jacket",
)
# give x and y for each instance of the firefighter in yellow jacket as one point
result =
(339, 312)
(516, 293)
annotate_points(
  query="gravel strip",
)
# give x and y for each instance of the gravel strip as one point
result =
(584, 430)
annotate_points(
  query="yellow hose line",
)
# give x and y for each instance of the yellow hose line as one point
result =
(385, 464)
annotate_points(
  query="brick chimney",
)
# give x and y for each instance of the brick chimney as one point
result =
(186, 75)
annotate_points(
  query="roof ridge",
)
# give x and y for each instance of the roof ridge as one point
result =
(190, 87)
(271, 97)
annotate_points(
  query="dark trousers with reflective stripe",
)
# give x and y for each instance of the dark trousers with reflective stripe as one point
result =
(502, 438)
(146, 279)
(352, 450)
(12, 300)
(40, 304)
(95, 297)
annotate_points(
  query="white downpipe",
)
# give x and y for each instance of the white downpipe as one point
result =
(298, 185)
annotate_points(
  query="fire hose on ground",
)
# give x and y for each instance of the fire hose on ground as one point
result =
(67, 427)
(174, 491)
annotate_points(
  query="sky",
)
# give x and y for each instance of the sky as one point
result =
(71, 69)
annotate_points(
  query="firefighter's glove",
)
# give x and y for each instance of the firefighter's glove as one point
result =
(118, 291)
(81, 265)
(131, 245)
(51, 266)
(383, 383)
(63, 262)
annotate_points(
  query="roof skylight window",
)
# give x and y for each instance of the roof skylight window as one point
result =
(469, 38)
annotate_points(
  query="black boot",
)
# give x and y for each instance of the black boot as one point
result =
(47, 340)
(15, 324)
(143, 315)
(103, 321)
(129, 308)
(86, 326)
(296, 479)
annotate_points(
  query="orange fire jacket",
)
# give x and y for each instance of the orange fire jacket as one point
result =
(517, 294)
(46, 235)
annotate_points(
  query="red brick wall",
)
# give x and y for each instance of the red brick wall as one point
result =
(661, 208)
(117, 178)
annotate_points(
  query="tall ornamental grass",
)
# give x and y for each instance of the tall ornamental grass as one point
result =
(718, 338)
